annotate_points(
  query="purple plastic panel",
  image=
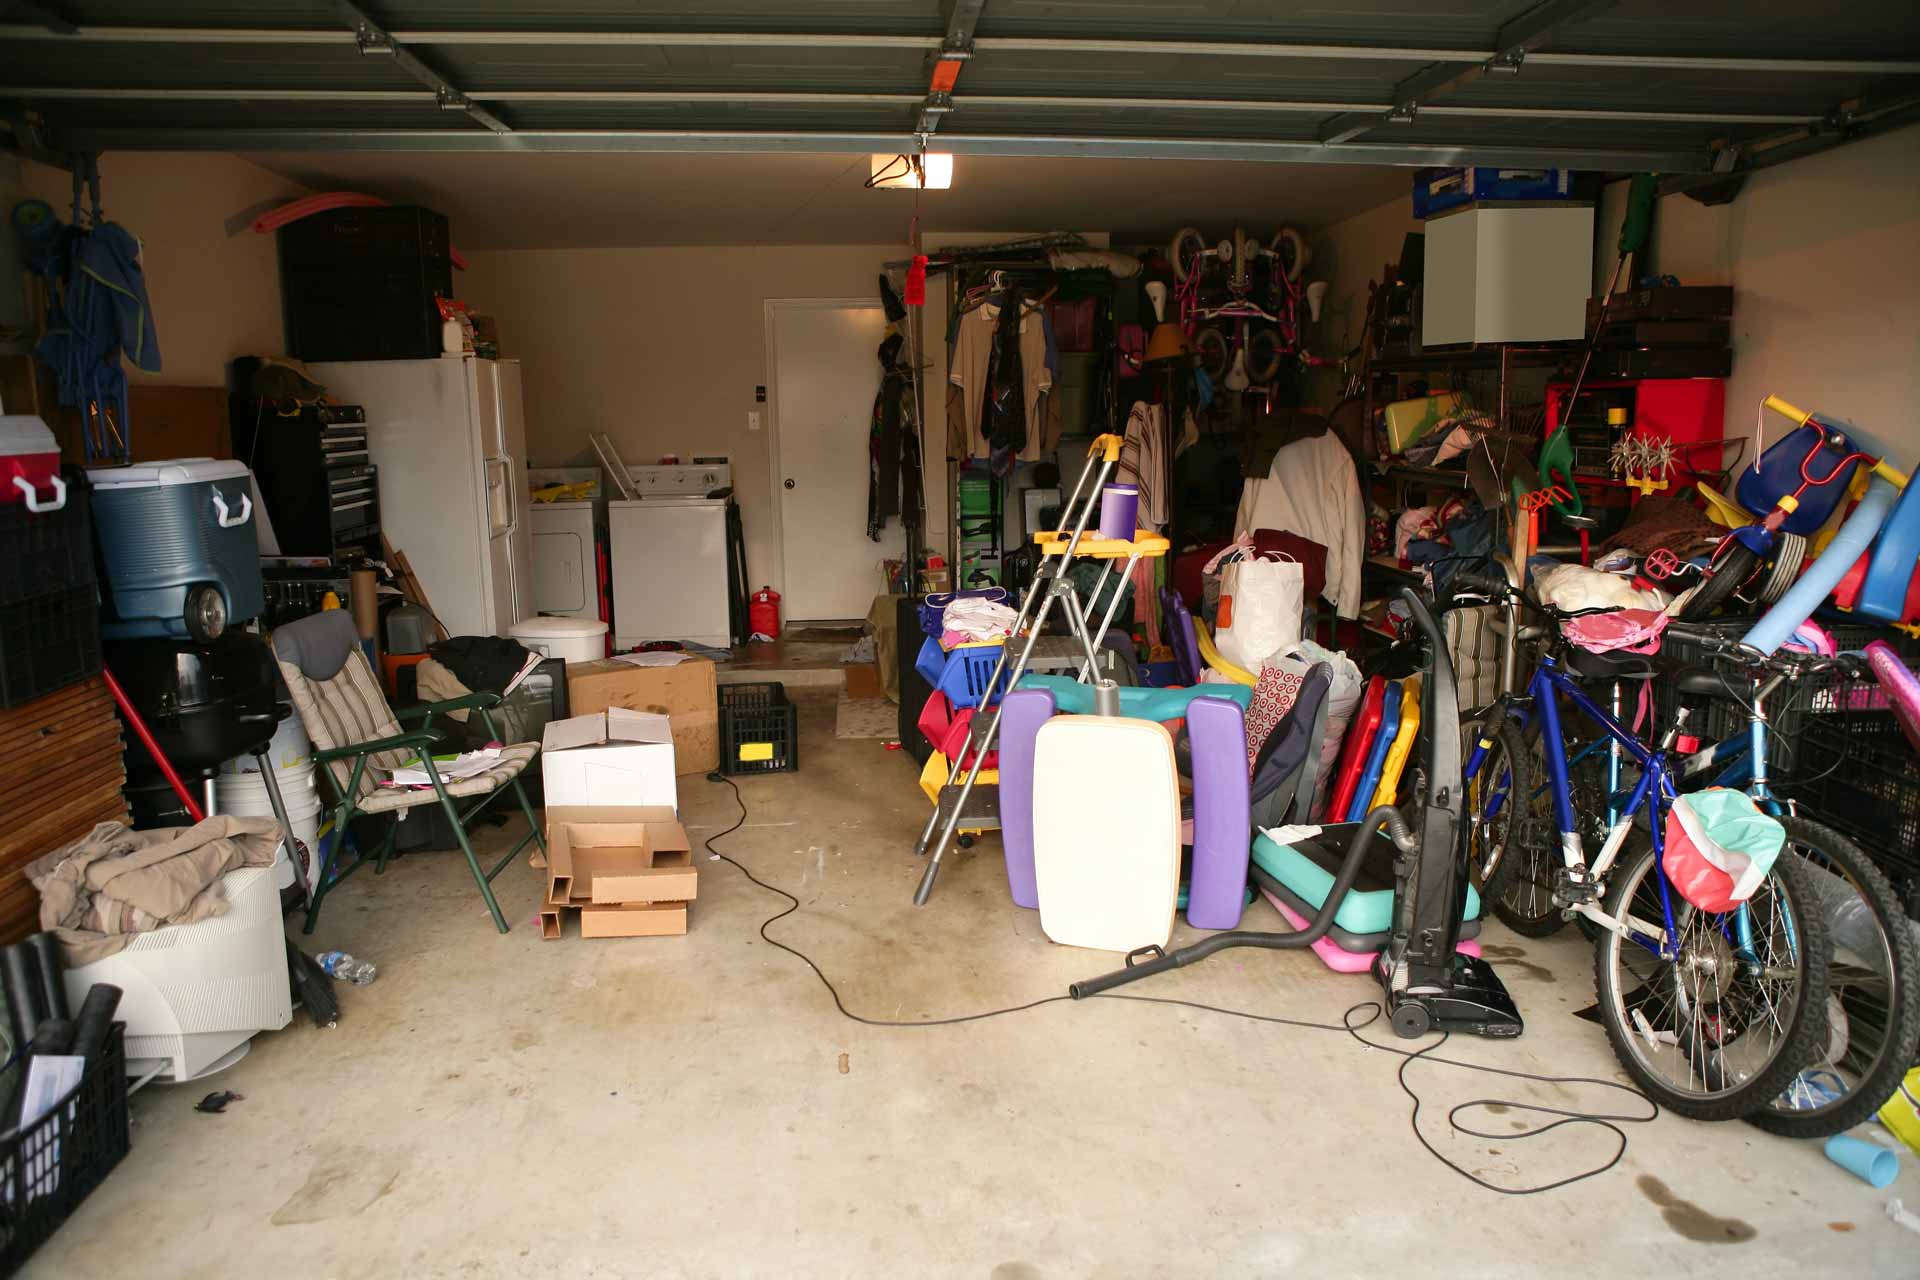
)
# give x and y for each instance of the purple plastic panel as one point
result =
(1222, 826)
(1021, 715)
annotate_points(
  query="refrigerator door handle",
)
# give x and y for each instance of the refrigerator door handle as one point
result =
(512, 466)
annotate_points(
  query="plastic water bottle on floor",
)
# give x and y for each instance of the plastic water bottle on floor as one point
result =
(339, 964)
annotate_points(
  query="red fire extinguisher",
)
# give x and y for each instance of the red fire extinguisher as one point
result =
(763, 614)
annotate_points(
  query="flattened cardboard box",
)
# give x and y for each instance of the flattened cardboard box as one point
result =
(618, 855)
(685, 693)
(634, 920)
(612, 757)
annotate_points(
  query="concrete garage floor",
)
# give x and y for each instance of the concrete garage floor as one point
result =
(503, 1106)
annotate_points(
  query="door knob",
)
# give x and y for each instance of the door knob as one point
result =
(789, 484)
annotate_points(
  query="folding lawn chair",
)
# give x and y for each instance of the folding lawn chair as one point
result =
(360, 741)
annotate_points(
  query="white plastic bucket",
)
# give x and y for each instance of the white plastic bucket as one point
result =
(292, 750)
(245, 795)
(569, 639)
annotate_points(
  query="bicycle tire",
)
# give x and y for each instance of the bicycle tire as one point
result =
(1526, 905)
(1184, 251)
(1291, 253)
(1215, 352)
(1731, 1092)
(1488, 844)
(1734, 567)
(1877, 1078)
(1263, 356)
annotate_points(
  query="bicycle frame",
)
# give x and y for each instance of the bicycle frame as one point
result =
(1652, 792)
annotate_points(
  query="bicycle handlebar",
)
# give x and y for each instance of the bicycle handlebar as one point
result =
(1801, 417)
(1785, 660)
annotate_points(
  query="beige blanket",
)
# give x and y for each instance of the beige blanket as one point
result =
(115, 882)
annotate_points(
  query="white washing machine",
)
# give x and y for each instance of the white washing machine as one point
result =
(565, 541)
(670, 554)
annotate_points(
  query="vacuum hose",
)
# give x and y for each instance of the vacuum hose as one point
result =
(1163, 960)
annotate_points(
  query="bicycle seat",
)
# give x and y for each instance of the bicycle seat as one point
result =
(1612, 665)
(1711, 684)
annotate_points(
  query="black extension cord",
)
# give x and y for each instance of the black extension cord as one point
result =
(1371, 1009)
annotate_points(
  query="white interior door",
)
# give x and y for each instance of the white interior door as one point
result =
(825, 374)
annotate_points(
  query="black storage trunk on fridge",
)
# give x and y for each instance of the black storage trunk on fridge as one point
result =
(359, 284)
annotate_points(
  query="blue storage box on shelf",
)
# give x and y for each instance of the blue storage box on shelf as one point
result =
(1437, 190)
(178, 547)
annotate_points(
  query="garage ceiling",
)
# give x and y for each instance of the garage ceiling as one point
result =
(1584, 84)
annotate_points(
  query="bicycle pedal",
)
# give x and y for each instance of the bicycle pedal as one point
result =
(1573, 887)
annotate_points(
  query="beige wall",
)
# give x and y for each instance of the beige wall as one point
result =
(661, 349)
(1824, 258)
(214, 283)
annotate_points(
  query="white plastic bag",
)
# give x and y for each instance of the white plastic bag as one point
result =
(1343, 697)
(1261, 599)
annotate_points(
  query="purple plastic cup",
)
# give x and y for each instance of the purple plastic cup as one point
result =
(1119, 511)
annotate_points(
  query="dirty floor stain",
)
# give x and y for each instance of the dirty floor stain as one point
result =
(1689, 1219)
(344, 1182)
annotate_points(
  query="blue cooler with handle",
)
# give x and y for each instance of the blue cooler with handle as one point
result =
(177, 548)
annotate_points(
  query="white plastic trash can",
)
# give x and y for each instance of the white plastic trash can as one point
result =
(570, 639)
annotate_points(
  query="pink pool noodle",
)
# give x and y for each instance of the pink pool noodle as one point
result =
(1903, 690)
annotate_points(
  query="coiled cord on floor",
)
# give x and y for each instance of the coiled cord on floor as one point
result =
(1368, 1012)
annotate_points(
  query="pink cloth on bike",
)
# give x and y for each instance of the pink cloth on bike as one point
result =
(1635, 630)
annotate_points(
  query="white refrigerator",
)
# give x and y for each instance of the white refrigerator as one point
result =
(449, 437)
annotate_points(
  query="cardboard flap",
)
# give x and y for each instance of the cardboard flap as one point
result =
(576, 731)
(624, 725)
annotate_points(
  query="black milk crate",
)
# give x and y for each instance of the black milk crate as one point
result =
(1856, 771)
(49, 1167)
(47, 643)
(47, 551)
(1790, 708)
(759, 729)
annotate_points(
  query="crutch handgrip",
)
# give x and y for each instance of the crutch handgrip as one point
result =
(1109, 445)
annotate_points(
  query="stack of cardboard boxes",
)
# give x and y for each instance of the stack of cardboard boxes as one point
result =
(617, 855)
(626, 869)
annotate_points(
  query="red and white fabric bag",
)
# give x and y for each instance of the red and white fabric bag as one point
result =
(1719, 847)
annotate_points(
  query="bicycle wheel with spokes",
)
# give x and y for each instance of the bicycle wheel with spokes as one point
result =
(1185, 251)
(1873, 992)
(1527, 905)
(1497, 800)
(1216, 353)
(1263, 356)
(1719, 1030)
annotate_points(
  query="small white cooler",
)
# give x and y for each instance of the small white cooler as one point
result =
(569, 639)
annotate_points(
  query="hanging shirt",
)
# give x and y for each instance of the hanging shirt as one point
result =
(968, 369)
(1312, 490)
(1144, 460)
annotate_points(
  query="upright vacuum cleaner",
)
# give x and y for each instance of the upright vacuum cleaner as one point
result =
(1428, 984)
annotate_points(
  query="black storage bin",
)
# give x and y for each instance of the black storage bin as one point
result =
(46, 552)
(359, 284)
(52, 1165)
(759, 729)
(47, 643)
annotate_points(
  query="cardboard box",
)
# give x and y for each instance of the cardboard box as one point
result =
(685, 693)
(863, 681)
(614, 757)
(635, 920)
(618, 855)
(553, 921)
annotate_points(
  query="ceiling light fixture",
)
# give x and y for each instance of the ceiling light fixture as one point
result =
(901, 171)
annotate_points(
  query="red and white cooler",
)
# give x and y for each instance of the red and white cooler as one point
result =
(30, 464)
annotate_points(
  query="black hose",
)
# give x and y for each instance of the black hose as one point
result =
(1292, 940)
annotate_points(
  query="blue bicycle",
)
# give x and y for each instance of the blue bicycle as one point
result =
(1713, 1014)
(1872, 1007)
